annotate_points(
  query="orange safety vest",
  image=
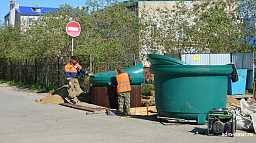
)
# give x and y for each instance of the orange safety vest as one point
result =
(72, 68)
(123, 83)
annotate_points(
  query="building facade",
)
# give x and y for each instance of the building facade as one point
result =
(22, 16)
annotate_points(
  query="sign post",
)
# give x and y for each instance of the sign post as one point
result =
(73, 29)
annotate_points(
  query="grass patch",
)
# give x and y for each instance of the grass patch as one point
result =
(35, 86)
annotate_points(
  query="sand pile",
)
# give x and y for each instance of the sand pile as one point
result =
(58, 96)
(232, 102)
(51, 99)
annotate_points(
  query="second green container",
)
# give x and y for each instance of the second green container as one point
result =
(189, 91)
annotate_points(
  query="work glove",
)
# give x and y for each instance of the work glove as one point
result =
(70, 83)
(89, 74)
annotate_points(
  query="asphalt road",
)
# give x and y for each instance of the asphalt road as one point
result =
(22, 120)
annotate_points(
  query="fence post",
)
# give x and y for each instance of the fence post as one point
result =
(11, 70)
(58, 71)
(26, 78)
(90, 63)
(35, 71)
(134, 61)
(5, 70)
(18, 71)
(45, 71)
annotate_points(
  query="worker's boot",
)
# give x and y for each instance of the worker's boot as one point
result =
(68, 100)
(73, 101)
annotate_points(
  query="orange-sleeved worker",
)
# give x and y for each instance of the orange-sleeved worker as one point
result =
(123, 89)
(72, 71)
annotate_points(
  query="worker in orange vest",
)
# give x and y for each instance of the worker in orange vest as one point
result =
(123, 89)
(72, 71)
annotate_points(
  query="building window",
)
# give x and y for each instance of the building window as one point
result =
(29, 21)
(7, 22)
(36, 9)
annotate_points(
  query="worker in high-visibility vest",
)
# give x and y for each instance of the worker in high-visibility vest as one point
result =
(72, 70)
(123, 89)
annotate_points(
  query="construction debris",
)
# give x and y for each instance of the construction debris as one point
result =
(246, 118)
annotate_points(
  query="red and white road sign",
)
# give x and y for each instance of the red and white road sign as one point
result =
(73, 28)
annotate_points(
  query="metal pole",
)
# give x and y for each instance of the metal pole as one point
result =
(72, 45)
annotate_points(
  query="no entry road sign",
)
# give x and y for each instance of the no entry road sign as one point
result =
(73, 28)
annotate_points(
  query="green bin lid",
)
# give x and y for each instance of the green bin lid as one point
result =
(164, 60)
(101, 79)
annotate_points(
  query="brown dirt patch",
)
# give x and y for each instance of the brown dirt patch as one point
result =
(232, 102)
(51, 99)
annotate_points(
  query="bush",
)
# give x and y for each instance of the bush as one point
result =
(146, 88)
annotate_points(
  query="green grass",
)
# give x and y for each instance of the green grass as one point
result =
(35, 86)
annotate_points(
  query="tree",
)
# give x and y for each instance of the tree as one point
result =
(207, 26)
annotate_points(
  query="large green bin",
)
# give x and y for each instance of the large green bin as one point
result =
(188, 91)
(105, 95)
(103, 78)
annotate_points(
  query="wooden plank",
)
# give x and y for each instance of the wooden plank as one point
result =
(242, 96)
(92, 105)
(82, 107)
(175, 120)
(151, 110)
(253, 91)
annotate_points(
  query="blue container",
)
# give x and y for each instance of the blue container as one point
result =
(238, 87)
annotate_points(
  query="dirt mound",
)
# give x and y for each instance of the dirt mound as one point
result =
(51, 99)
(58, 96)
(232, 102)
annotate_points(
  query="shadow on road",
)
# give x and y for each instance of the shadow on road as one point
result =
(200, 131)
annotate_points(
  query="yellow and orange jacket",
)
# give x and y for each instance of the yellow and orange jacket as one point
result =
(123, 82)
(73, 70)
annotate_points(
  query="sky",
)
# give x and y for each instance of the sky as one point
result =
(4, 8)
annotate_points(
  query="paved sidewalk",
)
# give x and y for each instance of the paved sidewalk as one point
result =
(22, 120)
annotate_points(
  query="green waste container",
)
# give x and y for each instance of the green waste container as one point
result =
(188, 91)
(105, 95)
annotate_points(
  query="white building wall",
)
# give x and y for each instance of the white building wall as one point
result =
(12, 17)
(26, 20)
